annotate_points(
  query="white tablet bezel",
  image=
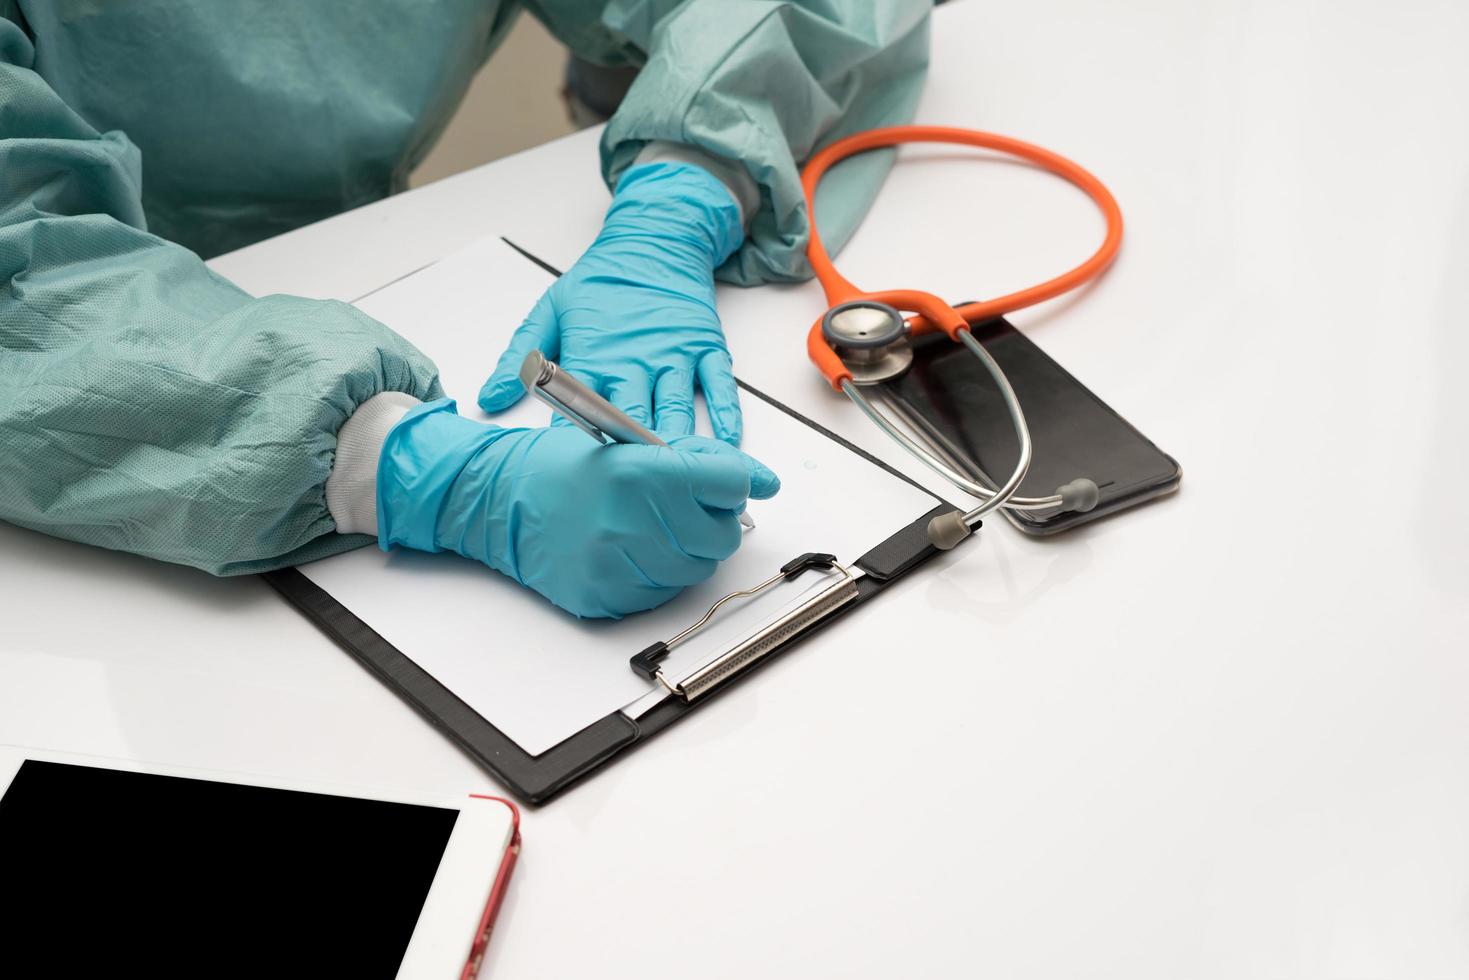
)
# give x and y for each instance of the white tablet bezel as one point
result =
(451, 913)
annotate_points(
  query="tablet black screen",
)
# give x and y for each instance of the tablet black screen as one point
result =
(164, 876)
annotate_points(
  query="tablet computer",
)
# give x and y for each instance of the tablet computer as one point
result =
(162, 871)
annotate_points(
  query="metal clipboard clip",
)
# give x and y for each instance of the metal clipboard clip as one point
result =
(768, 638)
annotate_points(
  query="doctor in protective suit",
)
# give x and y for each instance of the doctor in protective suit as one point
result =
(148, 405)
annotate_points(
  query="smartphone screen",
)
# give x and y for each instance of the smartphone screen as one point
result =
(950, 399)
(164, 876)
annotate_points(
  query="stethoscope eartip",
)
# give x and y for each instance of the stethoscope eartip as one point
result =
(947, 530)
(1080, 495)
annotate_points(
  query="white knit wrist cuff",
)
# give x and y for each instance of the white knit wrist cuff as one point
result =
(351, 489)
(736, 180)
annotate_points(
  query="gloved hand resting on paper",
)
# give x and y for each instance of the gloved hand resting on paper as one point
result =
(634, 318)
(601, 531)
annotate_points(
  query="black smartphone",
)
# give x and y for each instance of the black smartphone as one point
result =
(949, 399)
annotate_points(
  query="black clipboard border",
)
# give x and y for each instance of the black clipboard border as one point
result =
(535, 779)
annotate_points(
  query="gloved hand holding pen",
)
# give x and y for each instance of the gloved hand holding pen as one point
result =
(634, 318)
(151, 406)
(601, 531)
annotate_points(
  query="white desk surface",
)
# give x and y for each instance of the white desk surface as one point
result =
(1224, 736)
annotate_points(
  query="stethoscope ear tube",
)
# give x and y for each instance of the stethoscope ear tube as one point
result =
(947, 530)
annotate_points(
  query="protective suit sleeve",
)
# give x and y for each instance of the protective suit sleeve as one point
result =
(146, 404)
(763, 83)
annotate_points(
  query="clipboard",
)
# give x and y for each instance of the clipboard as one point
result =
(817, 588)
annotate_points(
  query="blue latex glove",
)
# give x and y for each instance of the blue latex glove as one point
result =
(634, 318)
(601, 531)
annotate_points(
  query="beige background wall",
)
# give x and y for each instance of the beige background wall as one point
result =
(514, 103)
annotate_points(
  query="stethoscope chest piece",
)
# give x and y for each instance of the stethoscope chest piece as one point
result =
(871, 338)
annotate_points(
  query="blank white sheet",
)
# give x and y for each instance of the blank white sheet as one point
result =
(535, 672)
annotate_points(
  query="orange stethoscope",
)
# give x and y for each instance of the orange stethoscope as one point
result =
(863, 338)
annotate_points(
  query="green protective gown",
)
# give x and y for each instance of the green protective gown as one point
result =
(149, 405)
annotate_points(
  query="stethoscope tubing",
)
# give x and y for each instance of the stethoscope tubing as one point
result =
(931, 313)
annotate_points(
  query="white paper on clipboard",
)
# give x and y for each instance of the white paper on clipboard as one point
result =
(533, 671)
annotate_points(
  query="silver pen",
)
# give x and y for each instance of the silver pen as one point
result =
(586, 409)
